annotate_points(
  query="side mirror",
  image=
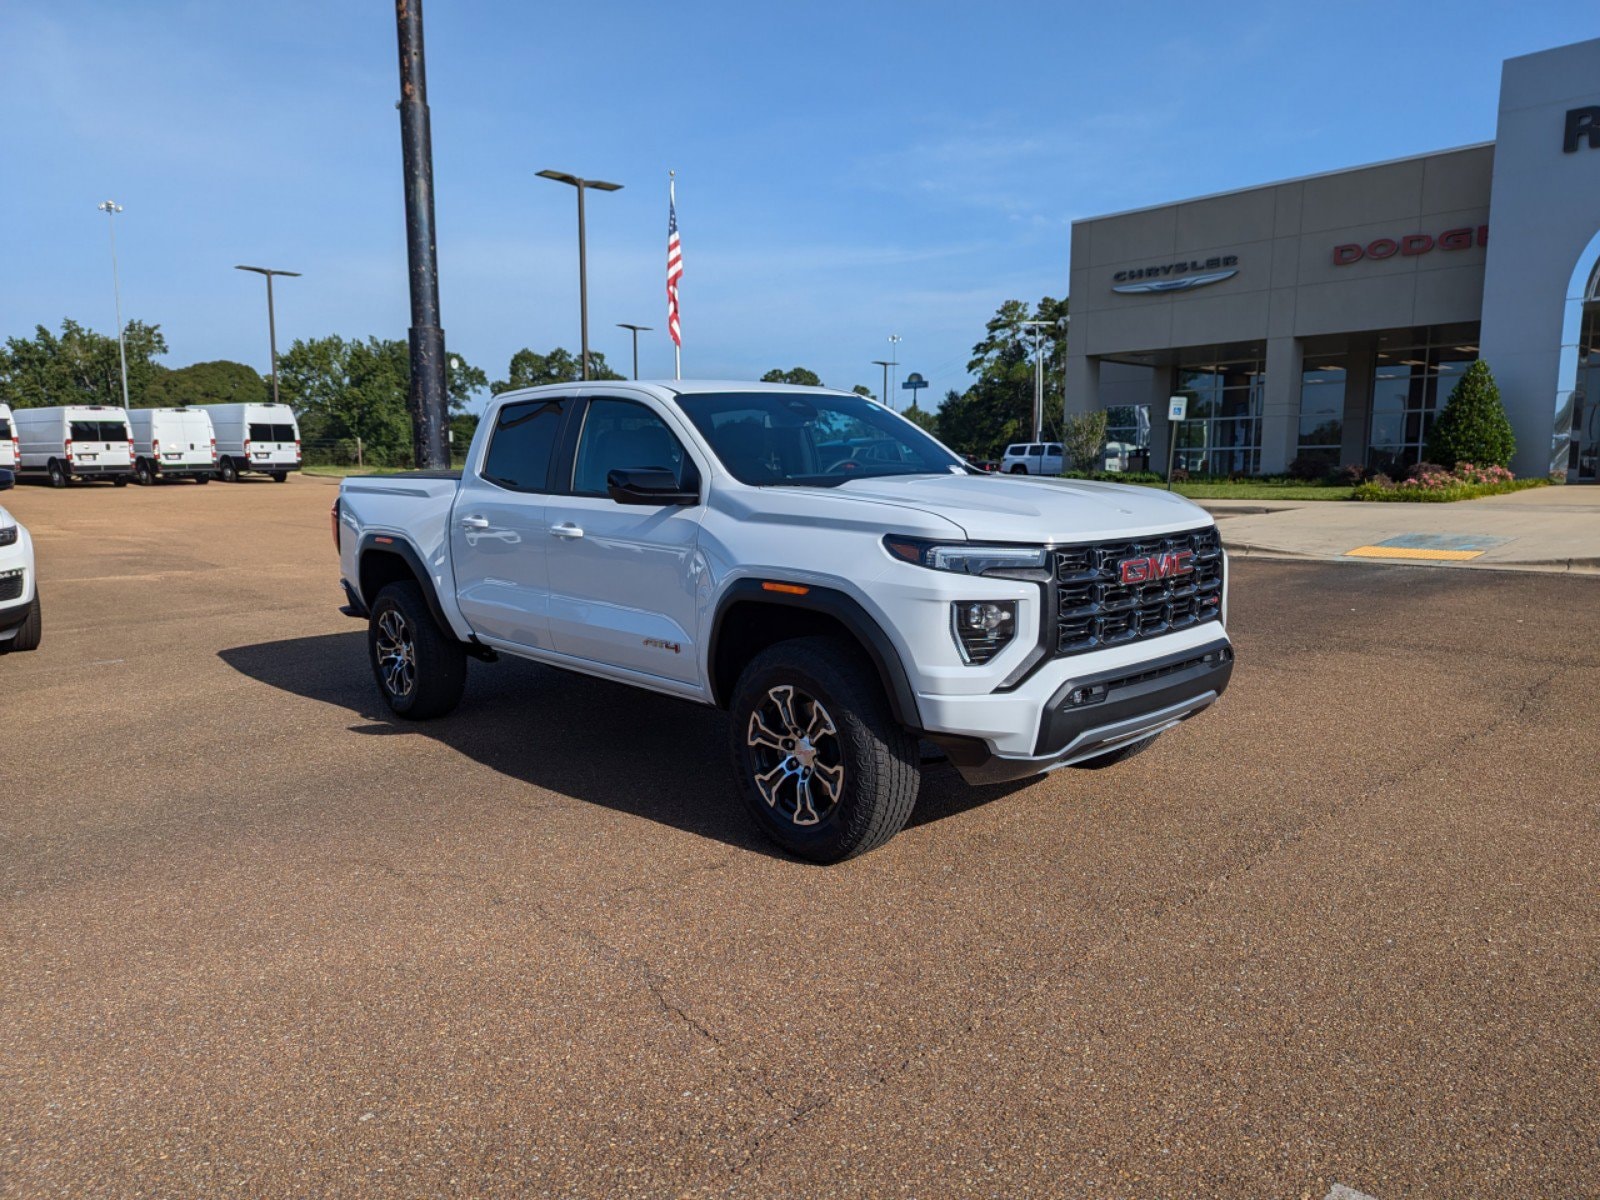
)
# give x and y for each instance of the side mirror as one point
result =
(647, 485)
(8, 480)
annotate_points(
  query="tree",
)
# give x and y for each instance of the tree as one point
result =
(344, 390)
(219, 382)
(78, 367)
(800, 376)
(528, 369)
(922, 419)
(1473, 426)
(998, 408)
(1083, 437)
(862, 389)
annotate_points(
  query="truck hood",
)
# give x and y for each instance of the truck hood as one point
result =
(1016, 508)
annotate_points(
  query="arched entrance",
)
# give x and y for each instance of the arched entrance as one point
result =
(1575, 449)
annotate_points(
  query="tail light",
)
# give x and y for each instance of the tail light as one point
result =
(69, 449)
(155, 448)
(213, 449)
(297, 449)
(130, 450)
(333, 517)
(247, 447)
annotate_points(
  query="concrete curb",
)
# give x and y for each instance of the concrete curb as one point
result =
(1553, 566)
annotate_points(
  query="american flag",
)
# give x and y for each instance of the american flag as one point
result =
(674, 264)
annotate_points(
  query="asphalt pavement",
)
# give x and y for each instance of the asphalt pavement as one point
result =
(258, 938)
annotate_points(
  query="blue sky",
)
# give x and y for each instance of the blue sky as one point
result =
(846, 171)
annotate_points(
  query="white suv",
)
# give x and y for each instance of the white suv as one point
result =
(845, 586)
(20, 617)
(1033, 458)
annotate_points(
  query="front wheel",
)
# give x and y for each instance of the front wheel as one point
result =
(30, 632)
(420, 670)
(822, 765)
(1019, 469)
(228, 473)
(119, 481)
(202, 478)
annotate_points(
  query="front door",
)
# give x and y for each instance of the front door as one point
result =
(625, 579)
(499, 532)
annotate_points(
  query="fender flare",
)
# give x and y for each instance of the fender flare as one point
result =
(402, 549)
(848, 612)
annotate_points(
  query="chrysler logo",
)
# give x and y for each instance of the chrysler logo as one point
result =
(1182, 284)
(1151, 567)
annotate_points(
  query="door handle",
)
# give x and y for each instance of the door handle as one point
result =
(474, 522)
(566, 530)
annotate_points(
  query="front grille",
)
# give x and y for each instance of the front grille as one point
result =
(1095, 609)
(11, 585)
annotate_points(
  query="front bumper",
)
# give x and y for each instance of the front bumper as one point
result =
(1081, 717)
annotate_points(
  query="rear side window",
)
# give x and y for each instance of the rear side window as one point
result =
(5, 428)
(261, 433)
(1052, 449)
(524, 442)
(1016, 451)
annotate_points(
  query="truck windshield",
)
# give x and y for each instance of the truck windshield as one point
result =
(812, 439)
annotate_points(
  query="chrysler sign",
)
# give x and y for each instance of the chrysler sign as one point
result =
(1176, 277)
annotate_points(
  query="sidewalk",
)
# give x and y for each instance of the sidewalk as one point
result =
(1545, 529)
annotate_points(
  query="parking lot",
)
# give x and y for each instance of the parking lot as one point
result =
(257, 937)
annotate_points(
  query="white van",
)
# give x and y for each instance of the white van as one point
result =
(84, 441)
(263, 438)
(8, 440)
(172, 443)
(1035, 458)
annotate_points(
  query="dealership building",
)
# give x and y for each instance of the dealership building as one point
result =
(1329, 317)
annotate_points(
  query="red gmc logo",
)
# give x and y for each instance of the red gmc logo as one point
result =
(1156, 566)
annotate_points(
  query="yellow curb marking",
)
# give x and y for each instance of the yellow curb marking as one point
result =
(1410, 552)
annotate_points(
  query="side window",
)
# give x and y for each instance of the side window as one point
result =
(524, 439)
(620, 435)
(261, 433)
(1036, 449)
(84, 431)
(1053, 449)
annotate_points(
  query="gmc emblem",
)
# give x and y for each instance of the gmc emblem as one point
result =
(1156, 566)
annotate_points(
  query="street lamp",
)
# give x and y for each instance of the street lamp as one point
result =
(111, 208)
(583, 263)
(894, 363)
(637, 330)
(272, 322)
(885, 364)
(1038, 377)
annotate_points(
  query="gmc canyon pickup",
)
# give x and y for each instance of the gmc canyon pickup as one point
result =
(840, 582)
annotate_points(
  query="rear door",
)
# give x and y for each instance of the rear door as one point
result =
(499, 534)
(8, 443)
(194, 439)
(624, 578)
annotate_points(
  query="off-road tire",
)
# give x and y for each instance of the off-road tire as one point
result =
(58, 474)
(30, 632)
(438, 662)
(1118, 756)
(227, 472)
(143, 474)
(879, 759)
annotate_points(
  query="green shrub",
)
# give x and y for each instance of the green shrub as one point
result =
(1082, 436)
(1473, 426)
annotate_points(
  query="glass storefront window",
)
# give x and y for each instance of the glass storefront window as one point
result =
(1127, 445)
(1410, 385)
(1222, 432)
(1322, 383)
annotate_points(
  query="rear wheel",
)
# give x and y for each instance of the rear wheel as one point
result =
(58, 474)
(119, 481)
(822, 765)
(202, 478)
(144, 474)
(228, 473)
(280, 476)
(1019, 469)
(1117, 756)
(420, 670)
(28, 635)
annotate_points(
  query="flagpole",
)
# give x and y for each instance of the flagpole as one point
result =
(677, 345)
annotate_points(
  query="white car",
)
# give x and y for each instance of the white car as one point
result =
(1033, 458)
(262, 439)
(711, 541)
(20, 617)
(9, 454)
(172, 443)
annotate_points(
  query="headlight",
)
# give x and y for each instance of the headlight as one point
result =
(8, 535)
(1012, 562)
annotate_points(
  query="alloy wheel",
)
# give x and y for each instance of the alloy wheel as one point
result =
(397, 654)
(796, 756)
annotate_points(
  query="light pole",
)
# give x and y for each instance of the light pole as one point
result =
(1038, 377)
(885, 364)
(111, 208)
(894, 363)
(583, 261)
(637, 330)
(272, 320)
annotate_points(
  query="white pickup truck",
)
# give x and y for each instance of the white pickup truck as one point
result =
(730, 543)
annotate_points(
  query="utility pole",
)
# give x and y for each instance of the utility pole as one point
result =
(637, 330)
(111, 208)
(1038, 377)
(894, 364)
(272, 323)
(427, 396)
(885, 364)
(582, 185)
